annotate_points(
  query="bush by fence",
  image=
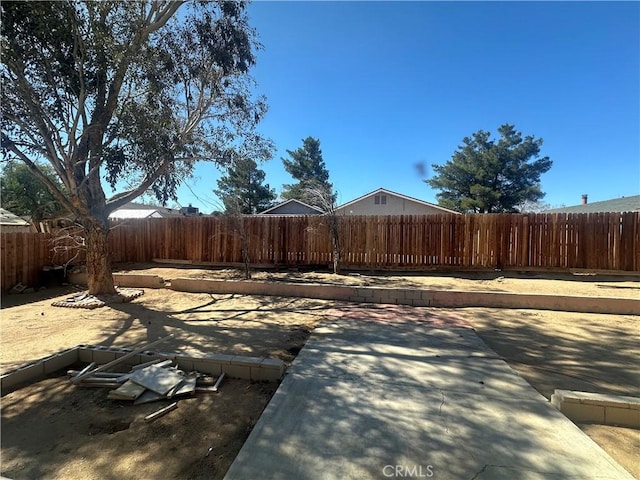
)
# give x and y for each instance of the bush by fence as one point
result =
(603, 241)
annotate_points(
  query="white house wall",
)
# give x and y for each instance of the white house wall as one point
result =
(394, 206)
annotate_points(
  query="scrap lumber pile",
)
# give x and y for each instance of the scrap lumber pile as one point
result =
(148, 382)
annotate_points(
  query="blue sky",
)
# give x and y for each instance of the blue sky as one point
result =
(388, 85)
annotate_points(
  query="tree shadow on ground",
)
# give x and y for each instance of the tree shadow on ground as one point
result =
(561, 350)
(409, 395)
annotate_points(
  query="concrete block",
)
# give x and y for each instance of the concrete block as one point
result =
(207, 366)
(245, 361)
(623, 417)
(85, 354)
(24, 374)
(79, 278)
(101, 356)
(413, 294)
(259, 374)
(357, 299)
(185, 364)
(418, 303)
(219, 358)
(273, 369)
(581, 413)
(237, 371)
(60, 360)
(364, 292)
(138, 280)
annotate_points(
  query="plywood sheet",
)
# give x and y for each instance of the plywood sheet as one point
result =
(157, 379)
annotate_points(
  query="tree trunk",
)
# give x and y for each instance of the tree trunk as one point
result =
(100, 278)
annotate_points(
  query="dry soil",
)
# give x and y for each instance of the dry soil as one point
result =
(55, 430)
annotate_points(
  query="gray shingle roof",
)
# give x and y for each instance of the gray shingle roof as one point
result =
(622, 204)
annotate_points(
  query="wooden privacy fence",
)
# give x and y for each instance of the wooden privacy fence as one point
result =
(602, 241)
(608, 241)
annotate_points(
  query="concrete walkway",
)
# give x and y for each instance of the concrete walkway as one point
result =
(387, 398)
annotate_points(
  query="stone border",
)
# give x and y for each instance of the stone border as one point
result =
(234, 366)
(602, 409)
(413, 296)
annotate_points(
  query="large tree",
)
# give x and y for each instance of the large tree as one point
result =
(24, 194)
(127, 93)
(307, 166)
(242, 189)
(488, 176)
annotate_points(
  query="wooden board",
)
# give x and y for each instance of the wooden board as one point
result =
(128, 391)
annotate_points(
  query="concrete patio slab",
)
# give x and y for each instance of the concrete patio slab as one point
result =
(382, 400)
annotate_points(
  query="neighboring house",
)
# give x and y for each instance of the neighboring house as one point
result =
(292, 207)
(139, 210)
(622, 204)
(386, 202)
(10, 223)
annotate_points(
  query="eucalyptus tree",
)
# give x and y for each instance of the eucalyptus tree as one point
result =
(126, 95)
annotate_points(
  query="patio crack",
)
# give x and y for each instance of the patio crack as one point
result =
(444, 422)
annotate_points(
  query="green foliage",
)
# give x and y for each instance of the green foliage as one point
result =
(488, 176)
(242, 189)
(307, 166)
(25, 195)
(128, 92)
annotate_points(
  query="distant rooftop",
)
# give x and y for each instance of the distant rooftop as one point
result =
(8, 218)
(622, 204)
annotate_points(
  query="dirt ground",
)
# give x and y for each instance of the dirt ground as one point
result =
(55, 430)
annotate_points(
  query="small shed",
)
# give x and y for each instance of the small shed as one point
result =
(10, 223)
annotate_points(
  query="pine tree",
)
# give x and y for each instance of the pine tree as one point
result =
(308, 168)
(242, 189)
(488, 176)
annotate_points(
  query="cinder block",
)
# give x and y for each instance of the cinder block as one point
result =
(273, 369)
(624, 417)
(357, 299)
(413, 294)
(237, 371)
(581, 413)
(246, 361)
(271, 363)
(387, 293)
(364, 292)
(185, 364)
(419, 303)
(211, 367)
(85, 354)
(265, 374)
(24, 374)
(138, 280)
(103, 356)
(219, 357)
(60, 360)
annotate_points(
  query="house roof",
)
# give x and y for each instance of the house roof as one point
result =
(140, 210)
(8, 218)
(622, 204)
(289, 202)
(389, 192)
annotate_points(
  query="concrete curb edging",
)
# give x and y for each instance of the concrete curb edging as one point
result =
(602, 409)
(234, 366)
(412, 296)
(122, 280)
